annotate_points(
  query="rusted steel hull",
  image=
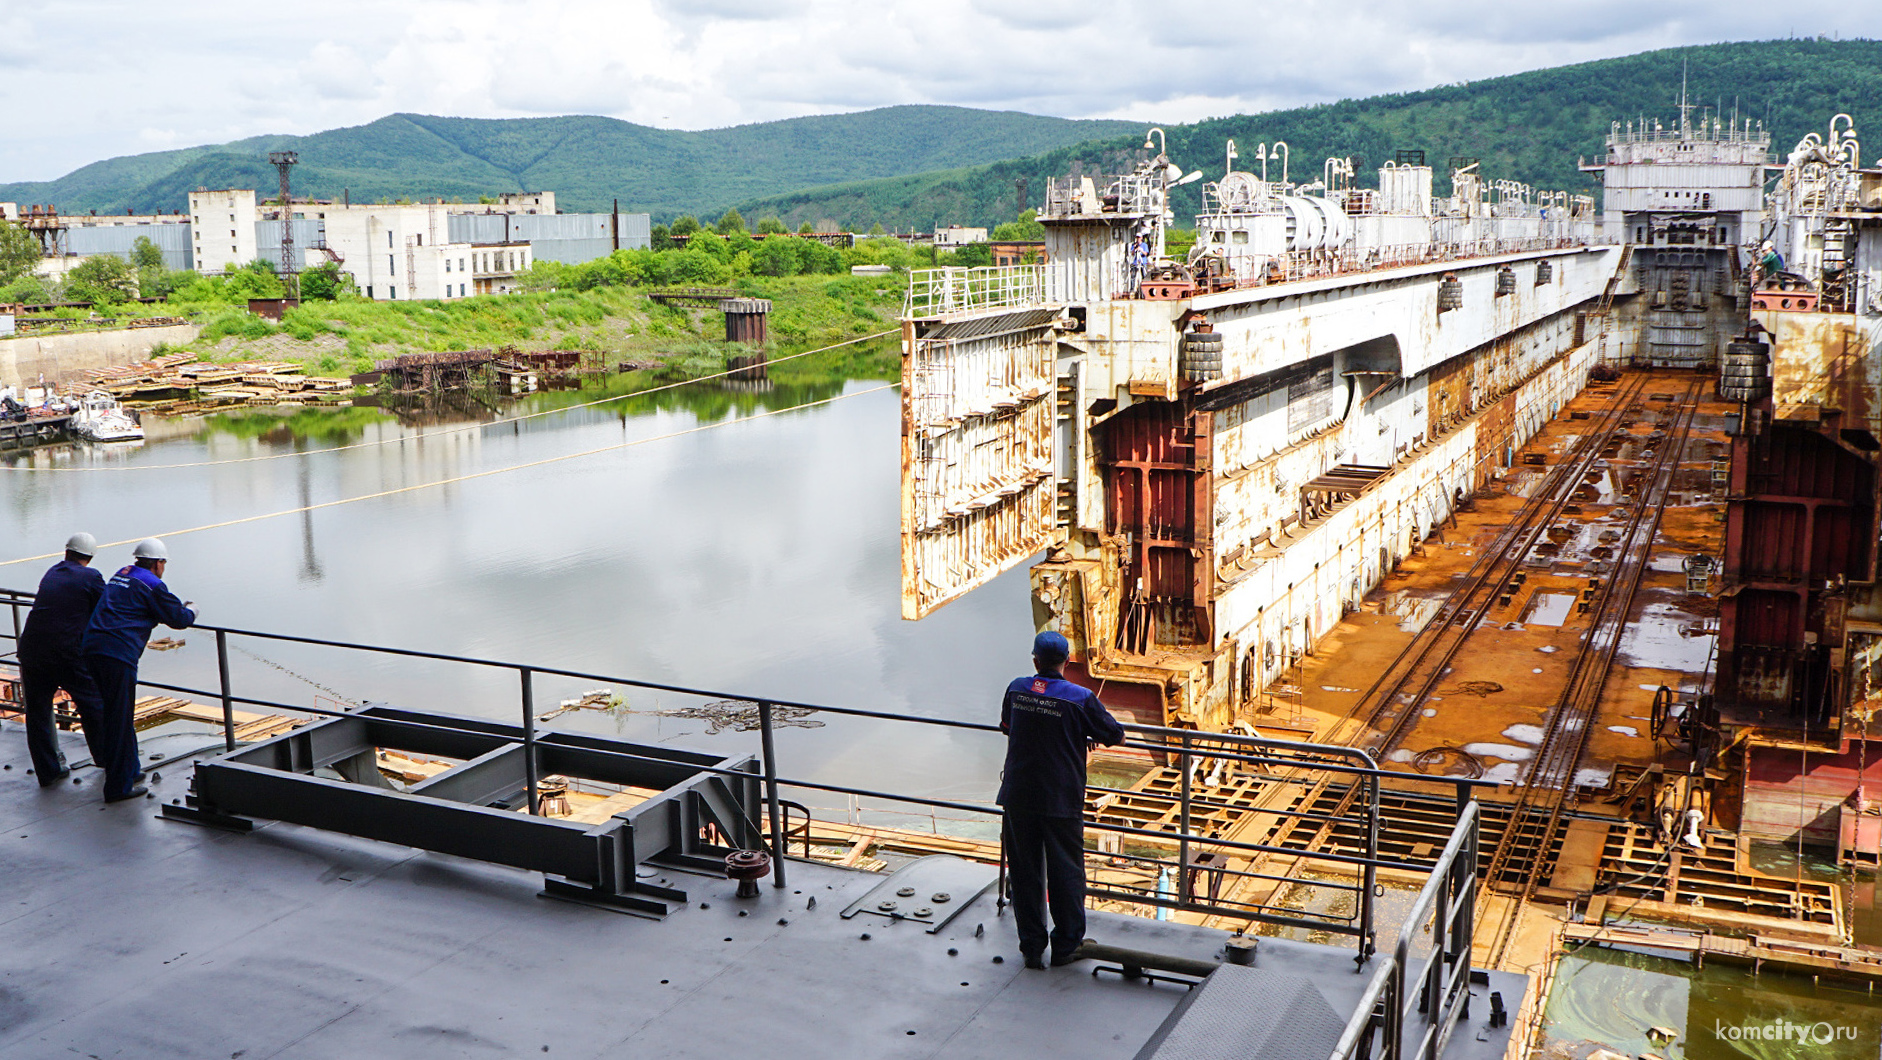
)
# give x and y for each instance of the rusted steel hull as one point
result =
(1800, 618)
(1212, 533)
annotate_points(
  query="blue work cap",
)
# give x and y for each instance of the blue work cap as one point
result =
(1052, 646)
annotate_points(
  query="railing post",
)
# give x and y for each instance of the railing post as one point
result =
(228, 699)
(1395, 1007)
(1182, 841)
(529, 735)
(999, 887)
(1371, 875)
(771, 792)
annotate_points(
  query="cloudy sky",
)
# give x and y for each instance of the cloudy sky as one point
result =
(83, 80)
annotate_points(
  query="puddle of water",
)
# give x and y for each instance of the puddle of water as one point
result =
(1611, 998)
(1664, 638)
(1508, 752)
(1431, 712)
(1549, 609)
(1400, 755)
(1548, 649)
(1529, 734)
(1624, 730)
(1336, 688)
(1593, 777)
(1413, 611)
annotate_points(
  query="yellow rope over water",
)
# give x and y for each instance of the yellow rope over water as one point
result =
(472, 475)
(449, 430)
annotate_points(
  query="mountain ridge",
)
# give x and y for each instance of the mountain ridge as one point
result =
(587, 160)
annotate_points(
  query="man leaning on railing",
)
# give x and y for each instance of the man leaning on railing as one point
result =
(134, 601)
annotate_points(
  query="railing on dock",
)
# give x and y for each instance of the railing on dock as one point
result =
(1431, 1003)
(1174, 859)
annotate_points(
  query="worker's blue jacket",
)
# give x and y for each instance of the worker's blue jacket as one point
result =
(135, 600)
(61, 610)
(1050, 724)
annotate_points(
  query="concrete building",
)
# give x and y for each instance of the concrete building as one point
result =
(222, 228)
(955, 236)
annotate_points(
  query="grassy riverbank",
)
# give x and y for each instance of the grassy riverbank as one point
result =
(348, 335)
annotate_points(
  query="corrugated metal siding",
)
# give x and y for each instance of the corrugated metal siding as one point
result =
(172, 239)
(570, 238)
(307, 232)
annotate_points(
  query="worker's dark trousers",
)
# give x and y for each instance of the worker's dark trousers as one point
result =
(40, 679)
(115, 748)
(1045, 856)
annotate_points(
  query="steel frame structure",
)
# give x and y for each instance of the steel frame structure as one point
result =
(468, 810)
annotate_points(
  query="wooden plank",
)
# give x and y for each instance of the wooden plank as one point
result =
(1580, 859)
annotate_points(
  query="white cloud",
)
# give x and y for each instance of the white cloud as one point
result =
(128, 77)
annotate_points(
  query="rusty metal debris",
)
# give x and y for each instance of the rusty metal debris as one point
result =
(741, 715)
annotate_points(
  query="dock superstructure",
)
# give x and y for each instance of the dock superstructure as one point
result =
(1221, 456)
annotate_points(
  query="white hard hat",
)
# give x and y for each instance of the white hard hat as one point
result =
(82, 543)
(151, 548)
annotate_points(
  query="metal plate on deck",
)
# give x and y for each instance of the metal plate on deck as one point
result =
(1242, 1012)
(931, 891)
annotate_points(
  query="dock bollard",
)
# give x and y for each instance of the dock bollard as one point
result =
(747, 867)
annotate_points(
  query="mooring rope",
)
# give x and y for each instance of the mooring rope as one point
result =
(471, 475)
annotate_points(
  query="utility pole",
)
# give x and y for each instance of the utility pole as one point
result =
(1020, 187)
(283, 161)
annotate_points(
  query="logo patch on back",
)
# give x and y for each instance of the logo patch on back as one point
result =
(1039, 684)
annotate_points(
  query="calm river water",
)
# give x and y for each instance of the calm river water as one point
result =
(760, 557)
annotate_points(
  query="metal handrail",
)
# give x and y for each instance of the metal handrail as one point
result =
(1182, 745)
(1444, 978)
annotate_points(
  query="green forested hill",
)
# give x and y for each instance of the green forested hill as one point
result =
(1530, 127)
(586, 161)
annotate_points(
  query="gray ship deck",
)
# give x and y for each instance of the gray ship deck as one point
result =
(129, 935)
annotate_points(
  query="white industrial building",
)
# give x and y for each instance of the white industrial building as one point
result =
(392, 251)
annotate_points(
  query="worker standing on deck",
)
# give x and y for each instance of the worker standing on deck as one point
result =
(1050, 725)
(134, 601)
(49, 656)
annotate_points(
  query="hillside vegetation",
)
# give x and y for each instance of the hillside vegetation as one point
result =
(1531, 127)
(587, 161)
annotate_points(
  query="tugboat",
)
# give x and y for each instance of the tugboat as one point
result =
(99, 418)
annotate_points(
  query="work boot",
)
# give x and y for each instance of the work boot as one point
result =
(1035, 961)
(137, 791)
(49, 779)
(1060, 960)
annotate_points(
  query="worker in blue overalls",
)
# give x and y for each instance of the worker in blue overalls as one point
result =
(49, 656)
(134, 601)
(1050, 725)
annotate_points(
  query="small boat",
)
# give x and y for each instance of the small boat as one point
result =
(100, 418)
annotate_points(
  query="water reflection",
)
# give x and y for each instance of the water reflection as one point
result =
(758, 557)
(1615, 999)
